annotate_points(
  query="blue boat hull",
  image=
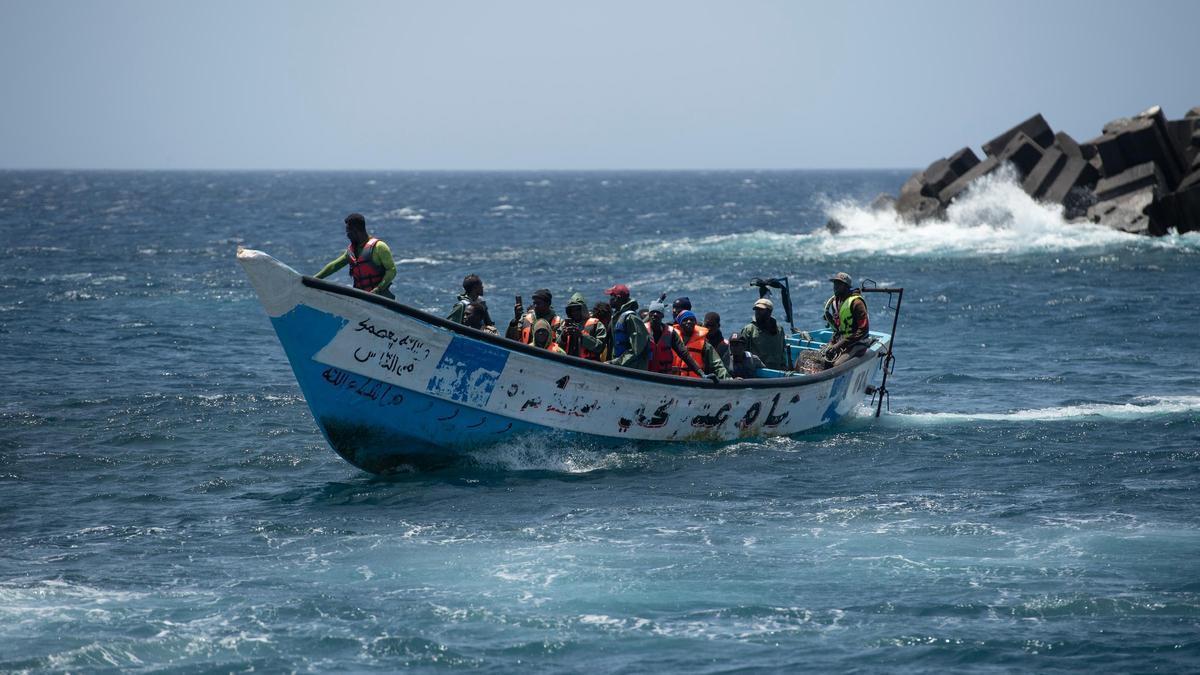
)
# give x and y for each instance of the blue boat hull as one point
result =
(390, 385)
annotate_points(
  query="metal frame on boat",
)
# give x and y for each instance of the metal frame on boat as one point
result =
(389, 384)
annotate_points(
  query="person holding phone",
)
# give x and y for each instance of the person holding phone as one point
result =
(521, 326)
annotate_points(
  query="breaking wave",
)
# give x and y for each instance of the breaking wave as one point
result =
(994, 217)
(1140, 408)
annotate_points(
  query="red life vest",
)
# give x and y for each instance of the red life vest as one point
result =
(695, 345)
(363, 269)
(662, 357)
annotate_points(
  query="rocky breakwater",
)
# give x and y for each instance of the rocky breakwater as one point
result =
(1141, 174)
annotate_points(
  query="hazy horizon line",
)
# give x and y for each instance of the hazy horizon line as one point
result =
(310, 170)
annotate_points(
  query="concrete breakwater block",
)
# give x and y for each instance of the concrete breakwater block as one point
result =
(980, 170)
(883, 202)
(1192, 178)
(1072, 187)
(915, 184)
(1142, 174)
(1035, 128)
(917, 208)
(1023, 153)
(1071, 147)
(1185, 135)
(1142, 140)
(1139, 177)
(937, 176)
(962, 161)
(1127, 213)
(944, 171)
(1044, 173)
(1180, 210)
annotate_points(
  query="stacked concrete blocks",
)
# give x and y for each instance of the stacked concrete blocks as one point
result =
(1142, 174)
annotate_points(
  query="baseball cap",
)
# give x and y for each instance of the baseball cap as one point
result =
(619, 289)
(765, 303)
(842, 277)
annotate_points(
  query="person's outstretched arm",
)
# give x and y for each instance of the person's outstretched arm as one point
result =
(334, 265)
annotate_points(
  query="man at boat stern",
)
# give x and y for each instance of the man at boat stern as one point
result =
(630, 345)
(371, 266)
(846, 314)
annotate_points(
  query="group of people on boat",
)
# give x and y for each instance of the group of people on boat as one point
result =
(622, 333)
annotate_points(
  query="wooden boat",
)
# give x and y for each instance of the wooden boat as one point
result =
(390, 385)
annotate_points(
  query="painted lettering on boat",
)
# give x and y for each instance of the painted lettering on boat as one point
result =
(574, 411)
(715, 420)
(380, 392)
(774, 420)
(408, 342)
(750, 416)
(658, 419)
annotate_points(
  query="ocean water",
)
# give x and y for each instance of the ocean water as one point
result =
(1030, 503)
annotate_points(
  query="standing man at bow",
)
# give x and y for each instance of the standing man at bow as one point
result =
(370, 259)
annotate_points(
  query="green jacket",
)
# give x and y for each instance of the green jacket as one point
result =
(592, 342)
(635, 355)
(772, 349)
(713, 363)
(459, 312)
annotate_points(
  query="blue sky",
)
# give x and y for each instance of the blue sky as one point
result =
(569, 85)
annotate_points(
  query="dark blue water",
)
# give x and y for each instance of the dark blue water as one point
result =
(167, 503)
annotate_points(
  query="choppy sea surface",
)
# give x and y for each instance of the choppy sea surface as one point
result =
(168, 504)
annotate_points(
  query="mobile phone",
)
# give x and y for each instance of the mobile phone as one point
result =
(519, 301)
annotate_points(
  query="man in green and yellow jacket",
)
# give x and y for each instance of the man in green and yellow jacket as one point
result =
(371, 265)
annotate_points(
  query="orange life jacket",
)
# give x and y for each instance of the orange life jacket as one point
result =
(553, 347)
(363, 270)
(589, 327)
(662, 357)
(695, 345)
(527, 328)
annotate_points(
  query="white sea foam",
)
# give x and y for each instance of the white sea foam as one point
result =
(404, 213)
(1141, 407)
(543, 453)
(994, 217)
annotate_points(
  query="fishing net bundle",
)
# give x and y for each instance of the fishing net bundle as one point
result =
(810, 362)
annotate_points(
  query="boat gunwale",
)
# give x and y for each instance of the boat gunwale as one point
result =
(787, 381)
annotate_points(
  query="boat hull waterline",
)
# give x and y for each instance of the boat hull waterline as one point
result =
(390, 385)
